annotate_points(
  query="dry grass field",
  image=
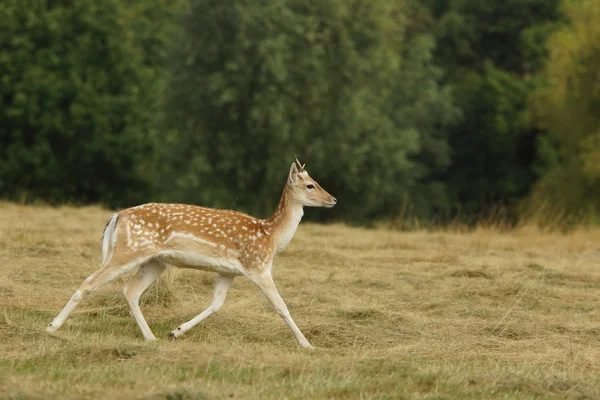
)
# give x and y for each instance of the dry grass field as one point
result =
(426, 315)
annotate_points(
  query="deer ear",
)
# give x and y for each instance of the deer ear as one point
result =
(293, 176)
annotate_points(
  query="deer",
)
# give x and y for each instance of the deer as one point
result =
(154, 236)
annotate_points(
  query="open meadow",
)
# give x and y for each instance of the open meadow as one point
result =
(426, 315)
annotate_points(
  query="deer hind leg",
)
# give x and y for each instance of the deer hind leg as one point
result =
(104, 275)
(146, 275)
(221, 287)
(267, 286)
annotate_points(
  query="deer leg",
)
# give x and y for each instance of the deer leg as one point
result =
(104, 275)
(267, 286)
(221, 287)
(146, 275)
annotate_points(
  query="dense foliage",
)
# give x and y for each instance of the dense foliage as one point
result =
(77, 92)
(489, 49)
(256, 83)
(566, 105)
(401, 108)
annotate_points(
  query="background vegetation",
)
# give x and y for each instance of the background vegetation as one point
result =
(437, 109)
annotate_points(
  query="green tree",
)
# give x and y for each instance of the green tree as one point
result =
(566, 105)
(77, 97)
(421, 103)
(255, 83)
(488, 50)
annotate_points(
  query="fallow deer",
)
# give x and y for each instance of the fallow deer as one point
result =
(155, 235)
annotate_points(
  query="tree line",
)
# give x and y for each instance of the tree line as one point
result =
(430, 110)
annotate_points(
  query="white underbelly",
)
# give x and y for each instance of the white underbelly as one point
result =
(202, 262)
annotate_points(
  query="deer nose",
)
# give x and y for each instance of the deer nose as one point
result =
(334, 200)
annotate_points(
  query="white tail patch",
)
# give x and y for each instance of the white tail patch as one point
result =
(109, 237)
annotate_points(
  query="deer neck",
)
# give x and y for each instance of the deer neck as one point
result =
(285, 219)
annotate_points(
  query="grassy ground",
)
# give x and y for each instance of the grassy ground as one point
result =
(431, 315)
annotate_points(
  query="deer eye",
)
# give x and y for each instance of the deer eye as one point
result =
(310, 186)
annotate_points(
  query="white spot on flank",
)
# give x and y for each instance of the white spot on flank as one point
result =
(128, 235)
(232, 253)
(146, 242)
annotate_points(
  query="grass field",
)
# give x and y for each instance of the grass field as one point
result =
(432, 315)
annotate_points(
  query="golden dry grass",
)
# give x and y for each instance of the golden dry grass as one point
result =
(435, 315)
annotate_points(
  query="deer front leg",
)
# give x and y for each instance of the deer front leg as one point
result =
(221, 287)
(267, 286)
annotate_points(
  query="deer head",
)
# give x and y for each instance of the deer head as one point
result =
(305, 190)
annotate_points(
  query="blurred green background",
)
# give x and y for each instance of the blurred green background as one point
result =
(406, 110)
